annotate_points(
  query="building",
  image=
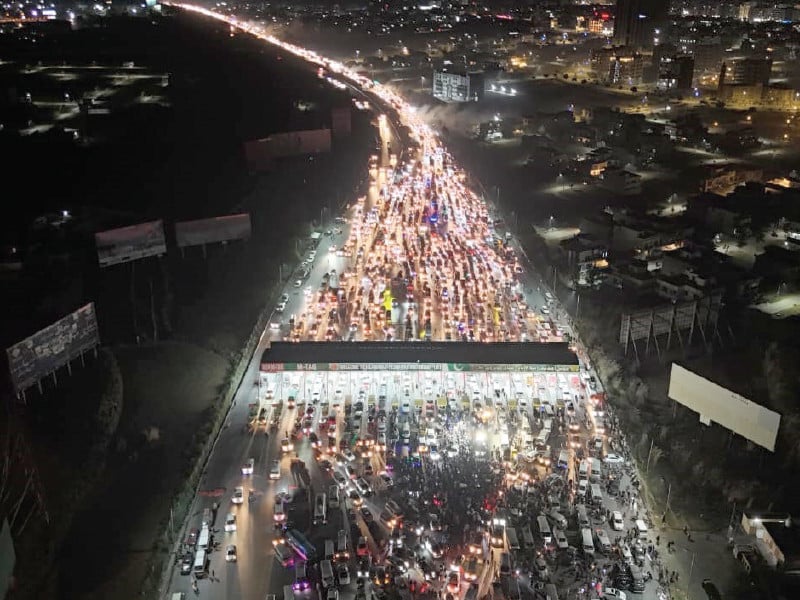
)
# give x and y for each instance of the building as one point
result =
(745, 71)
(618, 65)
(639, 23)
(457, 87)
(675, 72)
(621, 181)
(775, 537)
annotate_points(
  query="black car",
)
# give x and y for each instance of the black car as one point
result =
(711, 590)
(187, 561)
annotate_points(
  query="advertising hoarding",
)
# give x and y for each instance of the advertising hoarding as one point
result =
(53, 347)
(213, 230)
(724, 407)
(125, 244)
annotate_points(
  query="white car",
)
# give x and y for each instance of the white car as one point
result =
(230, 554)
(247, 468)
(349, 456)
(238, 495)
(298, 283)
(625, 553)
(613, 459)
(561, 539)
(333, 594)
(616, 521)
(583, 486)
(284, 297)
(281, 307)
(343, 573)
(614, 593)
(275, 470)
(230, 523)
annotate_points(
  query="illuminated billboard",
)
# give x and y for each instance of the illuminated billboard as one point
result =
(724, 407)
(210, 231)
(125, 244)
(53, 347)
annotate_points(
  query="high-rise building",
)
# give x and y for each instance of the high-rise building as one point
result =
(675, 72)
(640, 23)
(745, 71)
(457, 87)
(618, 65)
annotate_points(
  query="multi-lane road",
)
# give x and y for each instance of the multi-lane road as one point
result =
(421, 256)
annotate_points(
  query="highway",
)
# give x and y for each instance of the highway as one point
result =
(420, 257)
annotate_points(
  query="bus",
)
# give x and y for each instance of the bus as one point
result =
(511, 539)
(320, 510)
(301, 545)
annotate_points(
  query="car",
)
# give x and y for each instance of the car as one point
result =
(281, 307)
(542, 572)
(366, 514)
(286, 445)
(711, 590)
(284, 297)
(343, 573)
(561, 539)
(348, 455)
(616, 521)
(333, 594)
(298, 283)
(387, 480)
(187, 562)
(340, 479)
(247, 468)
(355, 498)
(350, 472)
(362, 548)
(434, 548)
(613, 459)
(275, 470)
(238, 495)
(230, 523)
(614, 593)
(583, 486)
(434, 522)
(454, 582)
(230, 553)
(325, 465)
(625, 553)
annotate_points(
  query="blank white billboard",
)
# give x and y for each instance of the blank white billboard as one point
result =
(125, 244)
(724, 407)
(209, 231)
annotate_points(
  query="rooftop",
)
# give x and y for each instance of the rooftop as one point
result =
(512, 353)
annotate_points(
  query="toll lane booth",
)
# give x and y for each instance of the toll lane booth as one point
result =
(423, 371)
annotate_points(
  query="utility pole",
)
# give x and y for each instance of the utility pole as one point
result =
(647, 468)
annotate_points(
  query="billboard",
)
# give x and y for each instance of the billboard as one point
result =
(125, 244)
(52, 347)
(724, 407)
(210, 231)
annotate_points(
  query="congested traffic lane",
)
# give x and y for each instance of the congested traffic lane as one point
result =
(424, 260)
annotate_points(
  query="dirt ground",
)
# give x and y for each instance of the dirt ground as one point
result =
(166, 390)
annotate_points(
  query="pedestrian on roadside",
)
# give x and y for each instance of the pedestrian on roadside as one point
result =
(658, 540)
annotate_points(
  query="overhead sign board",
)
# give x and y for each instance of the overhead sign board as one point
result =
(720, 405)
(214, 230)
(51, 348)
(126, 244)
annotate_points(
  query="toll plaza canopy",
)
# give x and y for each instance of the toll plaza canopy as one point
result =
(423, 356)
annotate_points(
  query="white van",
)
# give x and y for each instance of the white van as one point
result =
(602, 540)
(597, 470)
(583, 518)
(329, 552)
(326, 572)
(559, 519)
(199, 568)
(341, 546)
(204, 538)
(587, 544)
(595, 494)
(563, 459)
(583, 469)
(544, 529)
(641, 529)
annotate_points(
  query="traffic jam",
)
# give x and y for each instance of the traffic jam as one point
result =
(465, 485)
(479, 486)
